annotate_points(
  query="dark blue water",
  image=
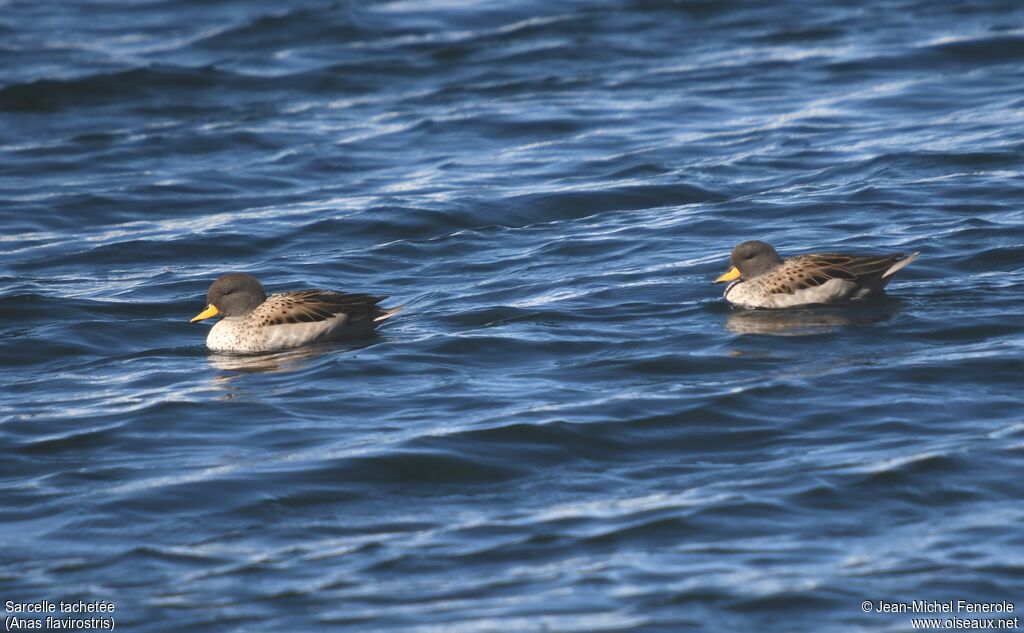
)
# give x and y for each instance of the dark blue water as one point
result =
(567, 429)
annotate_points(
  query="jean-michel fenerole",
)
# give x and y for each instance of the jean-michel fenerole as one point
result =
(947, 606)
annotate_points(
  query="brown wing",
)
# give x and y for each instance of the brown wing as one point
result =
(308, 306)
(809, 271)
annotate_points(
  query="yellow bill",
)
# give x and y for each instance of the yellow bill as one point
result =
(210, 311)
(731, 274)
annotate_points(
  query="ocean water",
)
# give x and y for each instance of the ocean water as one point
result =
(567, 429)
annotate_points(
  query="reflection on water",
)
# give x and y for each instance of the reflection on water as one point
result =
(811, 320)
(286, 361)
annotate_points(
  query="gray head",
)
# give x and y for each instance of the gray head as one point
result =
(233, 294)
(754, 258)
(751, 259)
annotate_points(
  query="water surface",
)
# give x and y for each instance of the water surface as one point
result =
(566, 429)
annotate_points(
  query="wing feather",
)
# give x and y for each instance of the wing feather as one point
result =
(310, 306)
(810, 271)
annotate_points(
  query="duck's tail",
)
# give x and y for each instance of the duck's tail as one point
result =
(900, 265)
(388, 313)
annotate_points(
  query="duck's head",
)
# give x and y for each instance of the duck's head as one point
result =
(750, 259)
(233, 294)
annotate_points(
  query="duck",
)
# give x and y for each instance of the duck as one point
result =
(252, 322)
(761, 279)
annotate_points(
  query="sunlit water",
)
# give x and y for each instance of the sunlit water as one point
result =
(566, 429)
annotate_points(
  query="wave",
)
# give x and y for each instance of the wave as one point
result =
(47, 95)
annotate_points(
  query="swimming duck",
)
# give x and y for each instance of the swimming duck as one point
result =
(253, 322)
(762, 279)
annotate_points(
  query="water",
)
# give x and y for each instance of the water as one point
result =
(567, 429)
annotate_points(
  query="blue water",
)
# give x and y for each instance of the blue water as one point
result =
(567, 429)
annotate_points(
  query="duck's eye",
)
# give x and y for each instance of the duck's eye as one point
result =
(227, 292)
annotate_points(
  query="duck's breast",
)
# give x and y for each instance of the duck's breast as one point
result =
(227, 335)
